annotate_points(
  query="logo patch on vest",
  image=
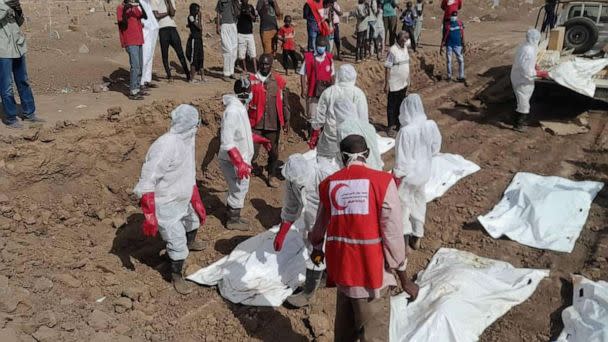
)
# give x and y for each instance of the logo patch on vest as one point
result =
(349, 197)
(328, 68)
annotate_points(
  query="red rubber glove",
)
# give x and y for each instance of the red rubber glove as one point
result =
(150, 226)
(397, 180)
(197, 204)
(257, 139)
(314, 139)
(243, 170)
(278, 240)
(542, 73)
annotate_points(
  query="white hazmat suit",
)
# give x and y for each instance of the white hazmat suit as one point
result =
(343, 90)
(169, 172)
(347, 125)
(235, 132)
(523, 71)
(301, 198)
(417, 142)
(150, 38)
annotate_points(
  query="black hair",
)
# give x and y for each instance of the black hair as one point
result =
(322, 41)
(287, 17)
(353, 144)
(194, 8)
(241, 85)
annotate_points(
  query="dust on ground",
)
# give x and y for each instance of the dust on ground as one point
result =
(75, 266)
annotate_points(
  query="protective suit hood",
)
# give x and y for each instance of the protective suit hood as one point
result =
(230, 98)
(184, 119)
(411, 110)
(299, 170)
(533, 36)
(346, 75)
(348, 125)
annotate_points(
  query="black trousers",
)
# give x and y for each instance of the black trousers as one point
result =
(290, 54)
(410, 31)
(361, 45)
(337, 37)
(273, 154)
(169, 36)
(392, 107)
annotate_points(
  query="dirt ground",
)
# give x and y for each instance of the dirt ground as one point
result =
(75, 266)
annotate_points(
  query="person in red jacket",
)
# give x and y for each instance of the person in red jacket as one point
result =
(449, 7)
(129, 15)
(316, 74)
(268, 112)
(360, 222)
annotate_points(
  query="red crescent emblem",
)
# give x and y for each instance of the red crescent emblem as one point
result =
(333, 194)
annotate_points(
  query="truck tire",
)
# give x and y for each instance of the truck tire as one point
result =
(581, 34)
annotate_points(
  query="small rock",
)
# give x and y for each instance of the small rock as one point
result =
(99, 320)
(83, 49)
(30, 220)
(74, 28)
(114, 111)
(47, 318)
(122, 304)
(118, 222)
(10, 296)
(132, 293)
(46, 334)
(17, 217)
(319, 324)
(68, 326)
(3, 198)
(68, 280)
(100, 214)
(42, 284)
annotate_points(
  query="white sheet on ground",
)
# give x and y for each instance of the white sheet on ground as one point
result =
(587, 319)
(577, 74)
(542, 212)
(460, 295)
(254, 274)
(447, 169)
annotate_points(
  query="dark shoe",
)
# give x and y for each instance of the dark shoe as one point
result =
(151, 85)
(177, 279)
(414, 242)
(15, 125)
(143, 93)
(33, 119)
(226, 79)
(519, 122)
(313, 279)
(234, 221)
(136, 97)
(391, 132)
(194, 245)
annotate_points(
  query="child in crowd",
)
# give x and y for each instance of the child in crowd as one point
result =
(194, 48)
(287, 36)
(362, 13)
(409, 18)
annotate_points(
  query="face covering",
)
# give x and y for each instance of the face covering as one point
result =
(320, 50)
(264, 73)
(354, 156)
(245, 100)
(453, 19)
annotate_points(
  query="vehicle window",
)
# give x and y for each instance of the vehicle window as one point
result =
(575, 11)
(604, 14)
(591, 12)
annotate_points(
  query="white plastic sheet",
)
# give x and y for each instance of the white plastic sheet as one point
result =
(446, 170)
(460, 295)
(254, 274)
(542, 212)
(587, 319)
(577, 74)
(384, 145)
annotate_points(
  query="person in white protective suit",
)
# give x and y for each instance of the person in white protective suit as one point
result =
(523, 73)
(417, 142)
(151, 28)
(301, 202)
(324, 124)
(236, 151)
(347, 125)
(170, 199)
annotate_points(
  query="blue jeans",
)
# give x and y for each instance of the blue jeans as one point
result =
(9, 68)
(457, 50)
(136, 61)
(313, 32)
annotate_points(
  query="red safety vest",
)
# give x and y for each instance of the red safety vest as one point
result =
(257, 106)
(353, 198)
(317, 71)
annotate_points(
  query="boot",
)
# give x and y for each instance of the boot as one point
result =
(313, 279)
(177, 279)
(234, 220)
(414, 242)
(194, 245)
(519, 121)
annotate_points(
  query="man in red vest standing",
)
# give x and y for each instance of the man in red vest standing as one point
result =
(317, 74)
(268, 112)
(360, 214)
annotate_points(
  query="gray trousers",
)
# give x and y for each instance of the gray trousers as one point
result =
(237, 189)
